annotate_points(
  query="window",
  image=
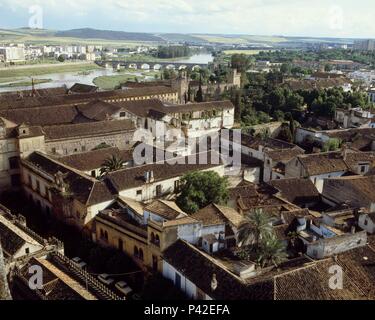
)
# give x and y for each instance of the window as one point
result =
(139, 192)
(120, 244)
(14, 163)
(122, 114)
(75, 150)
(83, 148)
(154, 263)
(177, 186)
(30, 180)
(140, 254)
(93, 173)
(53, 150)
(366, 222)
(37, 186)
(136, 252)
(158, 190)
(27, 250)
(363, 169)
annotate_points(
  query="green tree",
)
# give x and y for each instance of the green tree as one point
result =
(332, 145)
(286, 68)
(256, 226)
(271, 251)
(61, 58)
(199, 189)
(110, 164)
(241, 62)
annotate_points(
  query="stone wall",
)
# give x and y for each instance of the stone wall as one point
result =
(70, 146)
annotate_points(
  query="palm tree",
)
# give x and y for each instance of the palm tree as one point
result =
(271, 251)
(256, 226)
(110, 164)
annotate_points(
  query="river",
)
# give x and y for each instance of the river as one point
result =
(70, 78)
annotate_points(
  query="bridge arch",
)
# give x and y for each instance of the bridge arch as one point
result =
(196, 68)
(182, 67)
(132, 66)
(170, 66)
(145, 66)
(157, 66)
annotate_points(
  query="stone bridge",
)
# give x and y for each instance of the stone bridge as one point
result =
(145, 65)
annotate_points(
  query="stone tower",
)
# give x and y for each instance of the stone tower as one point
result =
(234, 78)
(181, 84)
(4, 288)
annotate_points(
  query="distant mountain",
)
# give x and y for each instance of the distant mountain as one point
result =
(88, 33)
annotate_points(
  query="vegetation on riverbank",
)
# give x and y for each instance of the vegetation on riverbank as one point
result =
(13, 73)
(113, 82)
(24, 83)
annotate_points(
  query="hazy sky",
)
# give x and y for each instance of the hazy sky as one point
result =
(340, 18)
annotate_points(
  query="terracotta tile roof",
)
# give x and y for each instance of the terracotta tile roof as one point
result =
(134, 205)
(231, 215)
(87, 129)
(312, 283)
(321, 163)
(13, 238)
(94, 159)
(98, 110)
(82, 88)
(209, 215)
(361, 186)
(95, 110)
(41, 116)
(270, 143)
(10, 241)
(87, 190)
(297, 279)
(180, 221)
(165, 209)
(352, 159)
(81, 98)
(134, 177)
(57, 285)
(297, 191)
(199, 268)
(283, 155)
(290, 216)
(140, 108)
(11, 95)
(202, 106)
(248, 196)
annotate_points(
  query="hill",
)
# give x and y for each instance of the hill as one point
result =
(88, 33)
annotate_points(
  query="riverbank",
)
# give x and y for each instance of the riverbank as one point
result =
(25, 83)
(15, 72)
(111, 82)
